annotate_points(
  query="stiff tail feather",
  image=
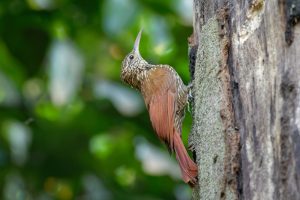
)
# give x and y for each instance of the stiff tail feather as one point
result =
(189, 169)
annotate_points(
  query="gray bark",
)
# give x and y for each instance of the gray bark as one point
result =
(245, 61)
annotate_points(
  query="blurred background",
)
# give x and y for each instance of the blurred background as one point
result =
(69, 129)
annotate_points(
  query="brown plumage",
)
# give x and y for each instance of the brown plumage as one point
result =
(165, 96)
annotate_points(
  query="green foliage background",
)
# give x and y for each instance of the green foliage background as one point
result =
(86, 139)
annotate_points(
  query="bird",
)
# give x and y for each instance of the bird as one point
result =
(165, 96)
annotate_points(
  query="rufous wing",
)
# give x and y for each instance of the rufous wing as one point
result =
(160, 97)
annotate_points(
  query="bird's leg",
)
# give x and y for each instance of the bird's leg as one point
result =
(190, 96)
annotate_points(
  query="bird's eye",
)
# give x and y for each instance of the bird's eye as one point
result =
(131, 57)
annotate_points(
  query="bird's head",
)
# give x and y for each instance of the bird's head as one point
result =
(133, 64)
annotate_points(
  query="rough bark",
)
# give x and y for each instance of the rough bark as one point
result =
(245, 61)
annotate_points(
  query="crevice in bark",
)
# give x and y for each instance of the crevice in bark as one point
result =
(289, 93)
(292, 13)
(232, 139)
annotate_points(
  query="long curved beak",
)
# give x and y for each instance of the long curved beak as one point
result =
(137, 42)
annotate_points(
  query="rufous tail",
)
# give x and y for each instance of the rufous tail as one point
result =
(189, 169)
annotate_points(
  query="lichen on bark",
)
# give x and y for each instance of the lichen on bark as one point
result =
(207, 137)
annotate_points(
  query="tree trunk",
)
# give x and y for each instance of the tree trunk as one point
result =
(245, 61)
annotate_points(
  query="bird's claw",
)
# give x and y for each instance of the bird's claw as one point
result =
(190, 96)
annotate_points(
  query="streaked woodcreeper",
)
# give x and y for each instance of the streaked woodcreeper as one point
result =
(165, 96)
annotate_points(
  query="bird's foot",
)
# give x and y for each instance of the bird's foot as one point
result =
(190, 96)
